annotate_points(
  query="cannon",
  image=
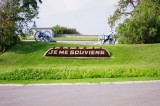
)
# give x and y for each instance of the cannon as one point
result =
(43, 36)
(107, 39)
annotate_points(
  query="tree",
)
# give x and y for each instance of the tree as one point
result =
(65, 30)
(14, 15)
(122, 10)
(142, 24)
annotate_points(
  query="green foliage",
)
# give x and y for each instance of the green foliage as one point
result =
(7, 26)
(122, 10)
(14, 15)
(26, 61)
(143, 26)
(65, 30)
(39, 74)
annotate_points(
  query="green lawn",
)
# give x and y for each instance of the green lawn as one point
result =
(70, 38)
(26, 62)
(76, 38)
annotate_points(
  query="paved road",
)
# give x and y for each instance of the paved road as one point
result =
(81, 95)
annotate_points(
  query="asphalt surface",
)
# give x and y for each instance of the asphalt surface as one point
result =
(81, 95)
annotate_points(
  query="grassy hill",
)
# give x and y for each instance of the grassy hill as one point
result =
(26, 61)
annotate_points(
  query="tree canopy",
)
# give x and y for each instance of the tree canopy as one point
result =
(142, 23)
(64, 30)
(14, 15)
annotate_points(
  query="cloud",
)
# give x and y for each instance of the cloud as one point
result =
(63, 6)
(87, 16)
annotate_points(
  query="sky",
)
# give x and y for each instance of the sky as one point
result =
(89, 17)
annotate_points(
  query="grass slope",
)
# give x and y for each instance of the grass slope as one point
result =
(26, 61)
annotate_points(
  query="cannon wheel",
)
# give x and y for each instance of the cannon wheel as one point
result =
(113, 40)
(48, 33)
(106, 40)
(38, 37)
(46, 38)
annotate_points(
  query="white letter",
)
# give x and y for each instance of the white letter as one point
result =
(50, 52)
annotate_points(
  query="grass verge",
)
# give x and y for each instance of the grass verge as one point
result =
(73, 81)
(53, 74)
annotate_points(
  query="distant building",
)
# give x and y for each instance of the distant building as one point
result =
(48, 31)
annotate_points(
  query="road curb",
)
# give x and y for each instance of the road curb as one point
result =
(102, 83)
